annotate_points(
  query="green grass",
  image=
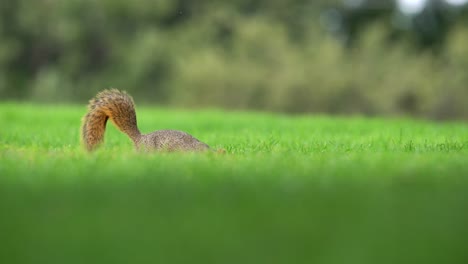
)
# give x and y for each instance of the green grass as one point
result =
(303, 189)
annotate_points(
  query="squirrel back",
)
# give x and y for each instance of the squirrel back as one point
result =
(119, 107)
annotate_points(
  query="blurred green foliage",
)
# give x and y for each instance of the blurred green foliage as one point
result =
(264, 55)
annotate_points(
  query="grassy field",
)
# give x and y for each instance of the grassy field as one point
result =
(303, 189)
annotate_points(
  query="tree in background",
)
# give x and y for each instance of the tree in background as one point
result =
(242, 54)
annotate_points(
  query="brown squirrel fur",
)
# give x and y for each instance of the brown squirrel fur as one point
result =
(118, 106)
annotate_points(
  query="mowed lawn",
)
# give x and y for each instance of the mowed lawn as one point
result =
(289, 189)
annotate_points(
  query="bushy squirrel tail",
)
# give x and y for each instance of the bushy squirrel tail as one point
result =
(110, 104)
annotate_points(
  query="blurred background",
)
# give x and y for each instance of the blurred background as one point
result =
(381, 57)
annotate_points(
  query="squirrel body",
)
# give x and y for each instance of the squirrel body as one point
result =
(118, 106)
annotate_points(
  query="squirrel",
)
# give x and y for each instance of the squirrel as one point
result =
(118, 106)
